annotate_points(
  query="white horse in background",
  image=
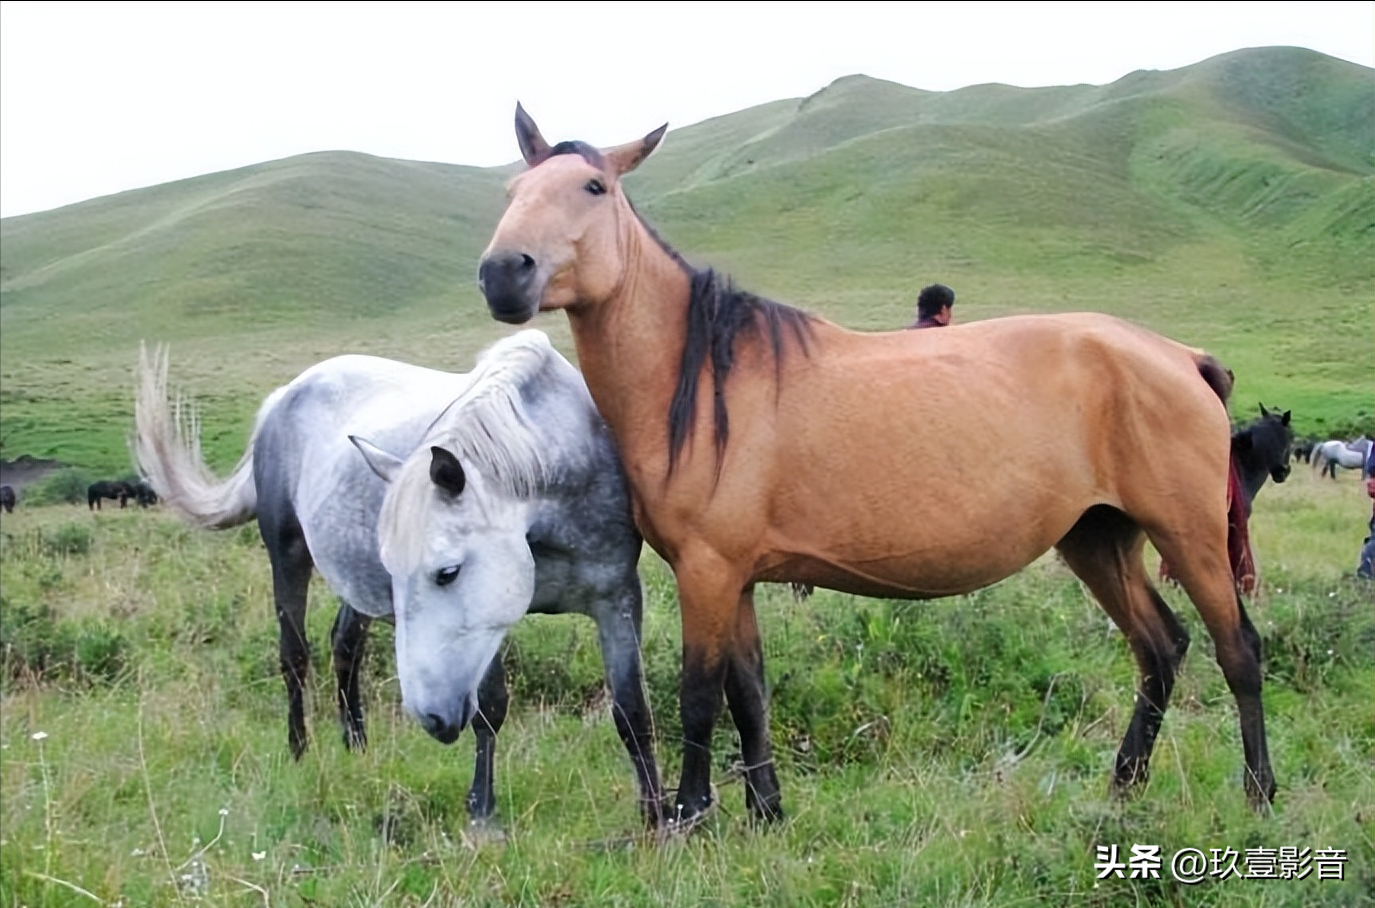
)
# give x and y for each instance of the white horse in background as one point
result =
(1338, 453)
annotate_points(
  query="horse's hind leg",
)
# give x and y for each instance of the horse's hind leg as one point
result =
(1206, 577)
(349, 638)
(748, 701)
(618, 628)
(492, 702)
(291, 567)
(1104, 549)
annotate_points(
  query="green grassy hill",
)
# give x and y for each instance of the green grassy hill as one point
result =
(1230, 204)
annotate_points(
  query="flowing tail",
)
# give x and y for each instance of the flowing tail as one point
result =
(1239, 555)
(166, 449)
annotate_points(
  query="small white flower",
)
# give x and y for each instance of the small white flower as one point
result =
(39, 735)
(224, 811)
(259, 855)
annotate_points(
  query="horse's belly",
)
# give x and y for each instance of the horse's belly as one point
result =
(917, 573)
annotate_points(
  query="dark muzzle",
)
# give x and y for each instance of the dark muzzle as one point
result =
(507, 281)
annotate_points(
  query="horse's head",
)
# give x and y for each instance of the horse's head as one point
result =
(462, 574)
(559, 244)
(1272, 443)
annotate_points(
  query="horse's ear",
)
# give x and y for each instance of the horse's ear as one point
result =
(445, 471)
(1284, 420)
(1263, 411)
(386, 466)
(533, 148)
(624, 158)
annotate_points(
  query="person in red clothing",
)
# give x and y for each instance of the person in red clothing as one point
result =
(1366, 566)
(933, 306)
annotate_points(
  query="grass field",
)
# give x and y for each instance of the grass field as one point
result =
(954, 752)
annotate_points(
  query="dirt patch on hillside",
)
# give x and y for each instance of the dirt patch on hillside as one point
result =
(25, 470)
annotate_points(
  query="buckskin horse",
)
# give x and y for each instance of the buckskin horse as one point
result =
(766, 444)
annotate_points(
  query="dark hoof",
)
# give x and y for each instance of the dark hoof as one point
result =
(1129, 788)
(355, 736)
(768, 813)
(683, 821)
(1260, 793)
(484, 831)
(655, 813)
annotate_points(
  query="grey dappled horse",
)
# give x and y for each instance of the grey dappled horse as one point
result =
(507, 497)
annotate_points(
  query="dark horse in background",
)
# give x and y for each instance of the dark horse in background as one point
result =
(1262, 450)
(7, 498)
(143, 493)
(113, 489)
(120, 490)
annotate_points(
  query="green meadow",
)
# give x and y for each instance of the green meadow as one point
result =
(953, 752)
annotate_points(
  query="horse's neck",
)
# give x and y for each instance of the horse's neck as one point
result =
(630, 345)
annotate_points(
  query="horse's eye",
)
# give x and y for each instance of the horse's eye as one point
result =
(445, 576)
(595, 187)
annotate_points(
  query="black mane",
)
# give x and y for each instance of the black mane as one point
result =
(587, 152)
(717, 314)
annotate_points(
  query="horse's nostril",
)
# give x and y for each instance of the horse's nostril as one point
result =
(527, 263)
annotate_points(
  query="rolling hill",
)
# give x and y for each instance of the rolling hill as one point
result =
(1229, 204)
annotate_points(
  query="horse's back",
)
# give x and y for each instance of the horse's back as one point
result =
(309, 474)
(950, 438)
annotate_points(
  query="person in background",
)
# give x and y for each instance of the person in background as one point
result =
(1366, 567)
(933, 306)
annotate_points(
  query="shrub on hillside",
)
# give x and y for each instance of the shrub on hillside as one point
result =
(63, 487)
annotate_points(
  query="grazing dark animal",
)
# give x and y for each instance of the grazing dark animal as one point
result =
(506, 497)
(1303, 449)
(143, 493)
(113, 489)
(7, 499)
(805, 455)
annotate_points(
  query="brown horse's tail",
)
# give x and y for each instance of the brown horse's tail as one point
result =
(166, 449)
(1239, 556)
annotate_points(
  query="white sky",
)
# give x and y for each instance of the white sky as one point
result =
(97, 98)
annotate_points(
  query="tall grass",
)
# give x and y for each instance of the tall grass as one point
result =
(953, 752)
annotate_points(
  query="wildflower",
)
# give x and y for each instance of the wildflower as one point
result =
(39, 735)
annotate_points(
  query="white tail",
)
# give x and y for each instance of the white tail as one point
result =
(167, 450)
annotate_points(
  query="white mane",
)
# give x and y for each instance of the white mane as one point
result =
(488, 429)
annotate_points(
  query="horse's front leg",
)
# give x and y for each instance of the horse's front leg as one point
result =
(747, 696)
(492, 702)
(349, 638)
(619, 631)
(708, 596)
